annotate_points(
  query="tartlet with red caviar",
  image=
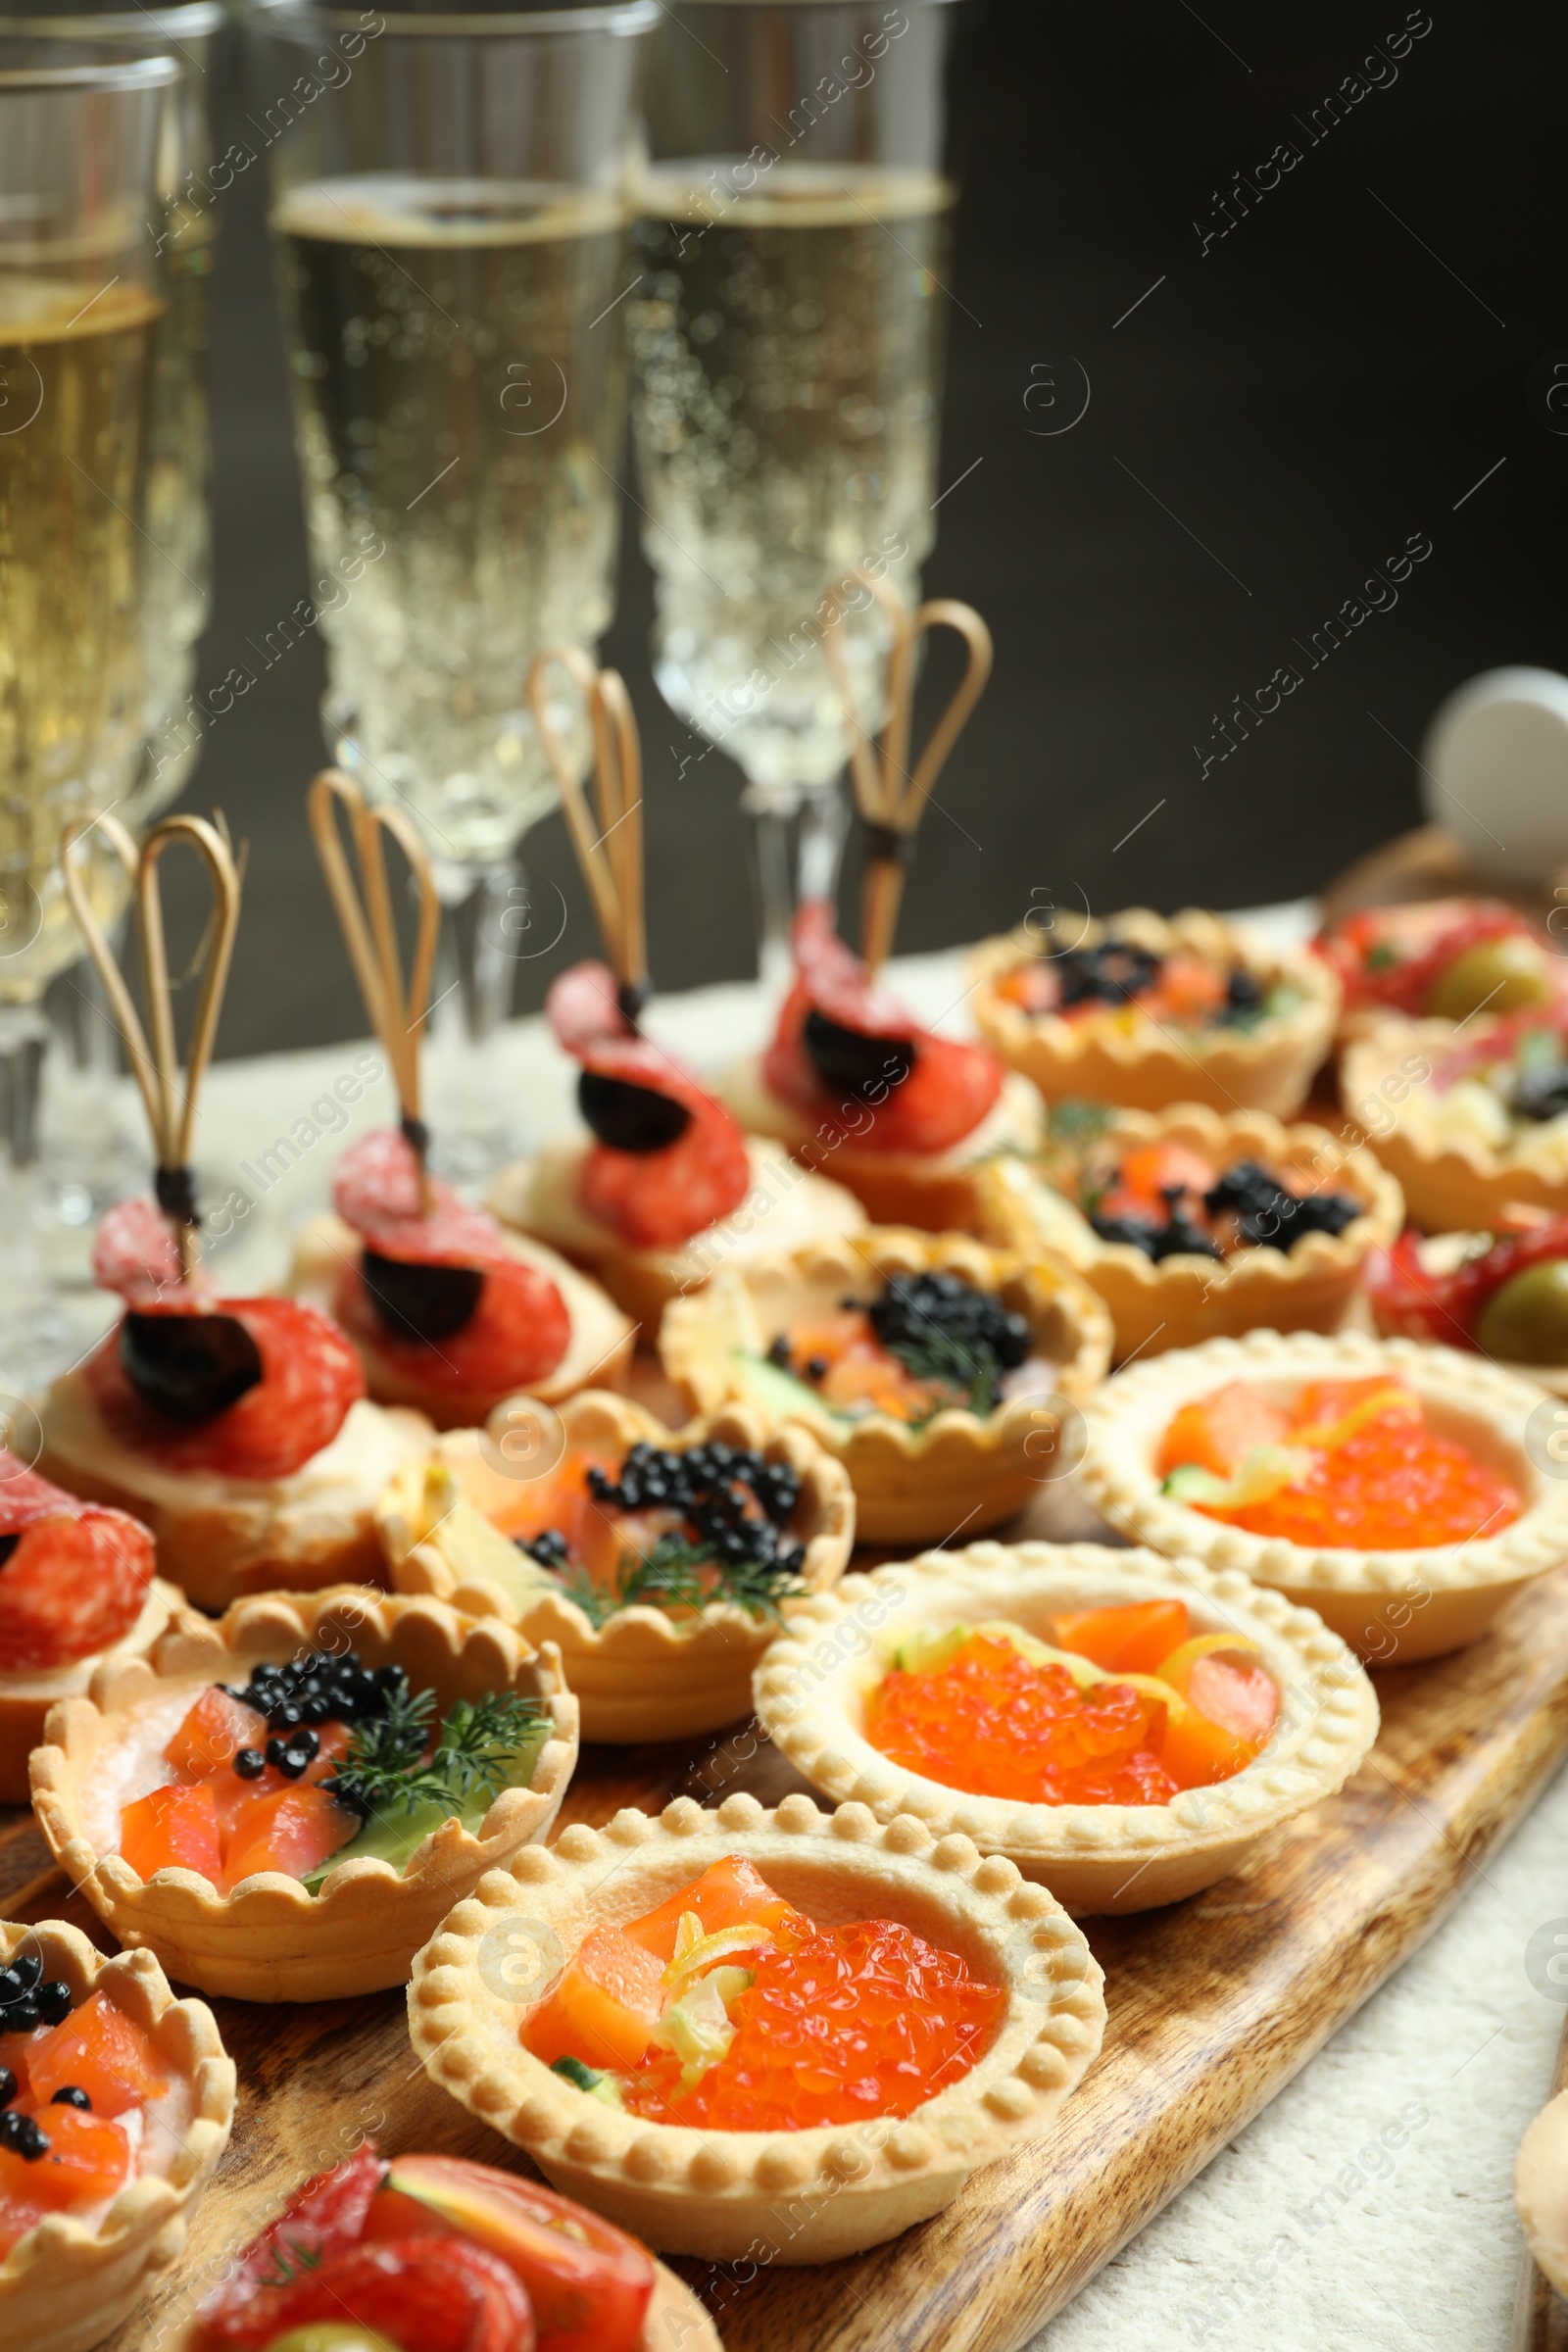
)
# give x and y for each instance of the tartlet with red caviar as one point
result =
(1393, 1487)
(448, 1312)
(440, 2254)
(636, 1931)
(1122, 1727)
(283, 1804)
(858, 1089)
(237, 1430)
(1447, 958)
(655, 1560)
(1191, 1225)
(76, 1592)
(119, 2101)
(938, 1370)
(1503, 1295)
(1144, 1013)
(1471, 1119)
(665, 1186)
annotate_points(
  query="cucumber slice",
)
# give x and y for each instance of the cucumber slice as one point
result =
(1189, 1481)
(927, 1653)
(779, 1391)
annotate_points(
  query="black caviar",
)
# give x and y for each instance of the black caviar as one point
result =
(1118, 972)
(1266, 1215)
(322, 1687)
(550, 1548)
(72, 2095)
(718, 1489)
(1178, 1234)
(24, 2135)
(27, 2002)
(7, 2086)
(919, 1314)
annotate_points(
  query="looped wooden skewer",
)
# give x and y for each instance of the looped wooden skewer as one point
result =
(397, 1014)
(171, 1101)
(890, 799)
(610, 851)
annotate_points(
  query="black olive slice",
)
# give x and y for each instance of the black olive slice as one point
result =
(862, 1065)
(420, 1302)
(189, 1366)
(628, 1117)
(8, 1545)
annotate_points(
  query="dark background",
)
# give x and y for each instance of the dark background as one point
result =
(1278, 416)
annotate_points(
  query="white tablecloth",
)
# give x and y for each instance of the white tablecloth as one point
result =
(1303, 2234)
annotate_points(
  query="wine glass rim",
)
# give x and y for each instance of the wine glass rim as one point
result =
(114, 71)
(621, 18)
(188, 20)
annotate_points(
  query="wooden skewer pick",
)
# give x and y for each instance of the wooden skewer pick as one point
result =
(171, 1101)
(889, 798)
(397, 1014)
(610, 850)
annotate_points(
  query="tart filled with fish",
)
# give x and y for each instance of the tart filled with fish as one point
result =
(115, 2103)
(1388, 1486)
(729, 2010)
(857, 1089)
(655, 1560)
(938, 1370)
(283, 1804)
(1144, 1013)
(446, 1311)
(1191, 1225)
(1124, 1728)
(665, 1185)
(237, 1430)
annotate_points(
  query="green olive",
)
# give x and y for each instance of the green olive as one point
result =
(330, 2335)
(1501, 974)
(1525, 1321)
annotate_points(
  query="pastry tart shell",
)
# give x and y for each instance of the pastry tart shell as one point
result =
(956, 1471)
(1393, 1607)
(786, 1205)
(598, 1353)
(1152, 1064)
(645, 1673)
(933, 1190)
(812, 1687)
(808, 2196)
(271, 1939)
(1541, 2189)
(1185, 1299)
(65, 2288)
(219, 1539)
(1448, 1183)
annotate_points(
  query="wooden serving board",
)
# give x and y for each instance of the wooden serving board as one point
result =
(1214, 2004)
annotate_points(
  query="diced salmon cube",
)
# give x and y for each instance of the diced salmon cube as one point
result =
(89, 2158)
(729, 1895)
(1218, 1431)
(293, 1831)
(213, 1734)
(1133, 1637)
(604, 2007)
(100, 2050)
(171, 1829)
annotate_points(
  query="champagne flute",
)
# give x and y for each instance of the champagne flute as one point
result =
(449, 223)
(80, 300)
(794, 224)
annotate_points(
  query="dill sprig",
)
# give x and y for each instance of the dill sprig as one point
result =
(677, 1574)
(939, 1356)
(478, 1742)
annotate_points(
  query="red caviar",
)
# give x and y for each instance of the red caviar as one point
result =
(994, 1723)
(1382, 1483)
(848, 2023)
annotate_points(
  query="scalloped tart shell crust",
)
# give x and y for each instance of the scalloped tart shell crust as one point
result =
(65, 2288)
(1541, 2189)
(1448, 1187)
(910, 1485)
(1391, 1607)
(270, 1941)
(1270, 1069)
(811, 2195)
(645, 1675)
(1187, 1300)
(811, 1686)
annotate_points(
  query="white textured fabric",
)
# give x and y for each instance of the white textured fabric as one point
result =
(1371, 2203)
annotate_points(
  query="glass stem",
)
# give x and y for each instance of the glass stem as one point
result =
(772, 813)
(824, 829)
(24, 1037)
(472, 1127)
